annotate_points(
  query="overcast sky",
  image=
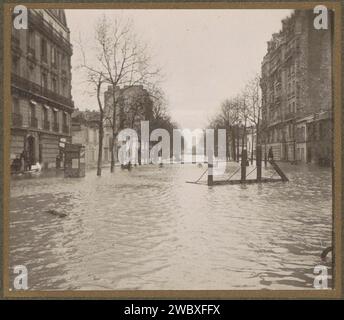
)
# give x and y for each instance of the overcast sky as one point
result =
(206, 55)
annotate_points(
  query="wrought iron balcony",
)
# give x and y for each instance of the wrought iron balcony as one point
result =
(289, 115)
(36, 20)
(17, 120)
(25, 84)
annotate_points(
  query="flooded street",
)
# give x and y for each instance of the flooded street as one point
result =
(148, 229)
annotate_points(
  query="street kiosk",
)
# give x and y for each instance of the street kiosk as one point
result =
(74, 164)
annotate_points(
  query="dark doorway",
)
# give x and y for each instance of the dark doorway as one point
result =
(31, 150)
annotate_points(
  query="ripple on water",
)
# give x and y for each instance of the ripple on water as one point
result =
(148, 229)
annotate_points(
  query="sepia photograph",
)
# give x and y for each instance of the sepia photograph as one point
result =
(167, 149)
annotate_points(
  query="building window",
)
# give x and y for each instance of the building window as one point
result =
(54, 57)
(44, 80)
(15, 65)
(64, 63)
(44, 50)
(55, 116)
(45, 114)
(95, 137)
(16, 115)
(33, 119)
(63, 87)
(54, 85)
(55, 120)
(31, 43)
(15, 105)
(46, 123)
(65, 126)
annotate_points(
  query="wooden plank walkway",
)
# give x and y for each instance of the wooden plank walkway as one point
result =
(233, 182)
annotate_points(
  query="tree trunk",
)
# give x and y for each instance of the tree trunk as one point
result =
(227, 143)
(233, 144)
(100, 145)
(101, 129)
(112, 164)
(243, 138)
(238, 143)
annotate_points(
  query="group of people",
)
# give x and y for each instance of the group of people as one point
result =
(22, 162)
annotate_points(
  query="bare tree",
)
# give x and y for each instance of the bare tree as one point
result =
(95, 80)
(124, 62)
(254, 108)
(228, 118)
(98, 83)
(239, 112)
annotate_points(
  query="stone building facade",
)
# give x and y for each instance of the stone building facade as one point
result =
(134, 104)
(296, 85)
(41, 87)
(85, 131)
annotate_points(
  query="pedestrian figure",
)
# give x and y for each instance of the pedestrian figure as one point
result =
(270, 154)
(16, 164)
(22, 161)
(27, 163)
(58, 162)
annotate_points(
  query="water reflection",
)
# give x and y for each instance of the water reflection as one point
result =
(148, 229)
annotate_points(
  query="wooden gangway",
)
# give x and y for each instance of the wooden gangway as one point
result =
(243, 179)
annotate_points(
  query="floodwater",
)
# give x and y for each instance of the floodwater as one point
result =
(149, 229)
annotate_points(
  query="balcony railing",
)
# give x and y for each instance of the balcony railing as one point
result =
(56, 127)
(289, 115)
(49, 31)
(33, 122)
(37, 89)
(65, 129)
(46, 125)
(17, 119)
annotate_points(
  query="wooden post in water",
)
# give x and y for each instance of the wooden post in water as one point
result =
(259, 162)
(243, 164)
(265, 157)
(278, 170)
(210, 171)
